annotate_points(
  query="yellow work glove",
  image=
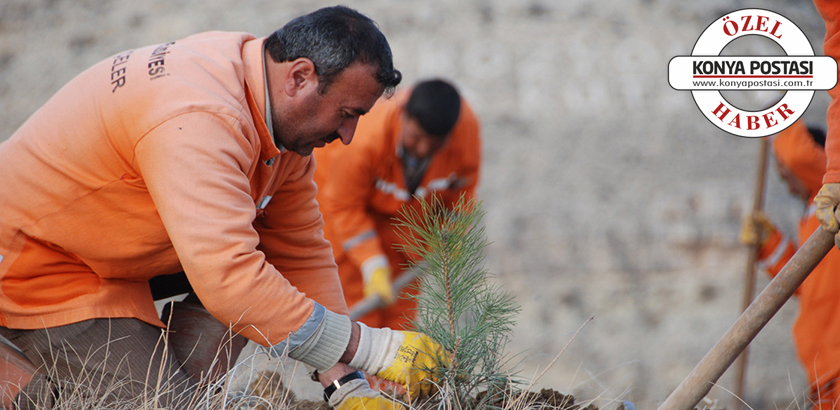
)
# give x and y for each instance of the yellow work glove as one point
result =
(357, 395)
(755, 229)
(379, 283)
(409, 358)
(414, 366)
(369, 403)
(826, 202)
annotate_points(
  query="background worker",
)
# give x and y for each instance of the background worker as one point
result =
(194, 156)
(829, 195)
(800, 159)
(424, 141)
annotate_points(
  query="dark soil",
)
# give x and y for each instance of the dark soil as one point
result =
(550, 399)
(273, 395)
(546, 399)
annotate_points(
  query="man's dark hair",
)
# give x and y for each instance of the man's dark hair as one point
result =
(435, 105)
(334, 38)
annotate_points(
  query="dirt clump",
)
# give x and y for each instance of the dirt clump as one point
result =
(545, 399)
(553, 400)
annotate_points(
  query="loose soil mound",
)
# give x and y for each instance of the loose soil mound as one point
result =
(546, 399)
(272, 394)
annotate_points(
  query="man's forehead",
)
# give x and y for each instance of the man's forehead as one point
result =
(358, 102)
(359, 79)
(359, 99)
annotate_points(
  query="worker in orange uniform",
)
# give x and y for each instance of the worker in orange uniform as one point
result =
(422, 142)
(829, 195)
(193, 156)
(800, 159)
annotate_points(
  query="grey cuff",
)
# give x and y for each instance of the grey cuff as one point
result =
(320, 342)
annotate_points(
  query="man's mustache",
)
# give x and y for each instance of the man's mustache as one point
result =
(332, 137)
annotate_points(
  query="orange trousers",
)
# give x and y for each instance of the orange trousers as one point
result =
(826, 396)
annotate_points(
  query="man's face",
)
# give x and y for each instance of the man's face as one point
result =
(417, 142)
(312, 119)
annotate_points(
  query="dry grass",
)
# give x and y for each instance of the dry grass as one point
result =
(265, 388)
(99, 386)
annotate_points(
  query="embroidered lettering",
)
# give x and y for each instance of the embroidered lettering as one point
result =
(156, 61)
(118, 71)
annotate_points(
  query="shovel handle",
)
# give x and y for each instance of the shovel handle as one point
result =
(749, 272)
(698, 383)
(373, 302)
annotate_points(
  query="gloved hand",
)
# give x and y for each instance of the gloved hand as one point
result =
(379, 283)
(415, 363)
(357, 395)
(755, 229)
(826, 202)
(409, 358)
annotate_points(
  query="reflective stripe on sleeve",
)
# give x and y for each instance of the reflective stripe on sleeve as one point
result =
(777, 254)
(358, 239)
(264, 202)
(812, 209)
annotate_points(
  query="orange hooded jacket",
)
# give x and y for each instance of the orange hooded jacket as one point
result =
(817, 327)
(362, 188)
(830, 12)
(151, 162)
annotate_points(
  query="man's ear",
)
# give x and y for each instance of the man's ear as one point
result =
(300, 76)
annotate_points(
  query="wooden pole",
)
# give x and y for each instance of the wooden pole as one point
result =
(698, 383)
(749, 275)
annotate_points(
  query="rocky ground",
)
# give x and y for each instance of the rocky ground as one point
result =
(608, 193)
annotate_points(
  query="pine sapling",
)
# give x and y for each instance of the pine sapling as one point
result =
(456, 303)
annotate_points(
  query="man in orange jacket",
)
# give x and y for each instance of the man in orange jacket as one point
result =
(800, 159)
(193, 156)
(423, 142)
(828, 197)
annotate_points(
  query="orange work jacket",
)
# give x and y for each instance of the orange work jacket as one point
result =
(817, 327)
(362, 187)
(830, 11)
(154, 161)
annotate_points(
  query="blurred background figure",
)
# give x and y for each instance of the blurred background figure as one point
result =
(800, 159)
(422, 142)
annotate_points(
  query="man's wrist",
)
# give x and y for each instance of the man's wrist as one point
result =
(327, 377)
(352, 345)
(354, 377)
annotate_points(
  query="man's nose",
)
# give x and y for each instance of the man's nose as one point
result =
(422, 149)
(347, 129)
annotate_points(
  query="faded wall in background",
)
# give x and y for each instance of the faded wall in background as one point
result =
(608, 193)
